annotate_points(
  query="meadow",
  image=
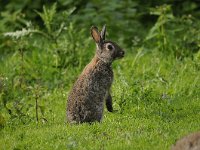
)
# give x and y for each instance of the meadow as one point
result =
(156, 86)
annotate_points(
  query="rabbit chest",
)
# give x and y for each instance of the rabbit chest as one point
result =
(97, 81)
(93, 84)
(102, 77)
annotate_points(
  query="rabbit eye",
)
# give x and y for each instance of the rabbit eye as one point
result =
(110, 47)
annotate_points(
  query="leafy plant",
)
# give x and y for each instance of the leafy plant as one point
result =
(158, 31)
(171, 34)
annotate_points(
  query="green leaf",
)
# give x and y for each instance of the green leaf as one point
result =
(47, 16)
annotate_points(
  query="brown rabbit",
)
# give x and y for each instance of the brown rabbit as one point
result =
(189, 142)
(86, 99)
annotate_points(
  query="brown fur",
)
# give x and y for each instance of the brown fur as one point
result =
(189, 142)
(86, 99)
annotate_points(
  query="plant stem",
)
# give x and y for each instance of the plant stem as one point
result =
(21, 67)
(36, 108)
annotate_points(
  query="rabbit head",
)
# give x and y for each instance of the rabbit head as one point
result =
(107, 51)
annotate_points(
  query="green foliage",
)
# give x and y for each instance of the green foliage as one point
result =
(47, 16)
(158, 31)
(155, 95)
(31, 61)
(151, 110)
(171, 34)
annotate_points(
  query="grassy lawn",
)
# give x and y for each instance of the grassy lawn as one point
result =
(156, 101)
(44, 46)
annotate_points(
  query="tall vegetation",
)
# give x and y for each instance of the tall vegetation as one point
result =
(44, 48)
(45, 45)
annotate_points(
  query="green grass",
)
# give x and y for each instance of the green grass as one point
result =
(156, 99)
(156, 89)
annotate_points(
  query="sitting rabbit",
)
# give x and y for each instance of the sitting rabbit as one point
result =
(189, 142)
(86, 99)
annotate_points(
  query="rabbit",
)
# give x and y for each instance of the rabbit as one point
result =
(92, 88)
(189, 142)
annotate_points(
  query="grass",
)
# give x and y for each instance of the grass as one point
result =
(156, 99)
(155, 95)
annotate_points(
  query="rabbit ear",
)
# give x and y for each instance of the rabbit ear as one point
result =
(103, 32)
(95, 34)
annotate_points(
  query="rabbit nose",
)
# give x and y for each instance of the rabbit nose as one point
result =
(122, 52)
